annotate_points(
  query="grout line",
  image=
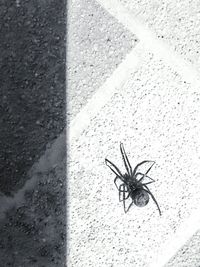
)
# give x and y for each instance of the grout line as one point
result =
(103, 95)
(187, 229)
(81, 121)
(150, 41)
(57, 151)
(162, 51)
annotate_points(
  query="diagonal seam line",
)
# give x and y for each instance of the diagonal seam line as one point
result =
(76, 127)
(150, 42)
(169, 249)
(103, 95)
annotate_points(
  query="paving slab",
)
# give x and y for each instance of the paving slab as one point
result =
(188, 255)
(175, 22)
(97, 43)
(156, 115)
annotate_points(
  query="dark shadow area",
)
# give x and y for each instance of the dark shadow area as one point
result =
(32, 115)
(34, 233)
(32, 84)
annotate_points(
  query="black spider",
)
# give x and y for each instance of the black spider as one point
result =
(131, 186)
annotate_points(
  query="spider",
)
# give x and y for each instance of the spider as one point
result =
(132, 186)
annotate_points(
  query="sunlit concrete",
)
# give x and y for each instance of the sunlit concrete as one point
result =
(156, 115)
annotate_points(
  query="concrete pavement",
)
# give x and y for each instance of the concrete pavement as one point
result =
(143, 89)
(33, 116)
(188, 255)
(154, 110)
(97, 43)
(32, 85)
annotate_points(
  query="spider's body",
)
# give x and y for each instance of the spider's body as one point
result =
(132, 185)
(140, 197)
(135, 188)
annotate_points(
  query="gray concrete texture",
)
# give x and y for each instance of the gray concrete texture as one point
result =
(188, 255)
(97, 43)
(33, 229)
(33, 115)
(33, 220)
(32, 85)
(175, 22)
(156, 115)
(154, 111)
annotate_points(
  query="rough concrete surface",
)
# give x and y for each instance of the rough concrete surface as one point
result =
(175, 22)
(33, 233)
(156, 115)
(32, 84)
(97, 43)
(155, 112)
(33, 221)
(33, 115)
(188, 255)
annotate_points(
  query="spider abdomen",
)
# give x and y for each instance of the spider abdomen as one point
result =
(132, 183)
(140, 197)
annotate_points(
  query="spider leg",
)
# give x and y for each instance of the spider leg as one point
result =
(120, 193)
(148, 183)
(114, 169)
(128, 206)
(117, 177)
(139, 164)
(124, 197)
(143, 176)
(150, 167)
(123, 191)
(125, 159)
(148, 191)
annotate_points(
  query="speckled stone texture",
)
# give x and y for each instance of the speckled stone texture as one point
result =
(188, 255)
(97, 43)
(156, 115)
(175, 22)
(33, 233)
(32, 84)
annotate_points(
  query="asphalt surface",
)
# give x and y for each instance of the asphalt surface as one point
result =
(32, 84)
